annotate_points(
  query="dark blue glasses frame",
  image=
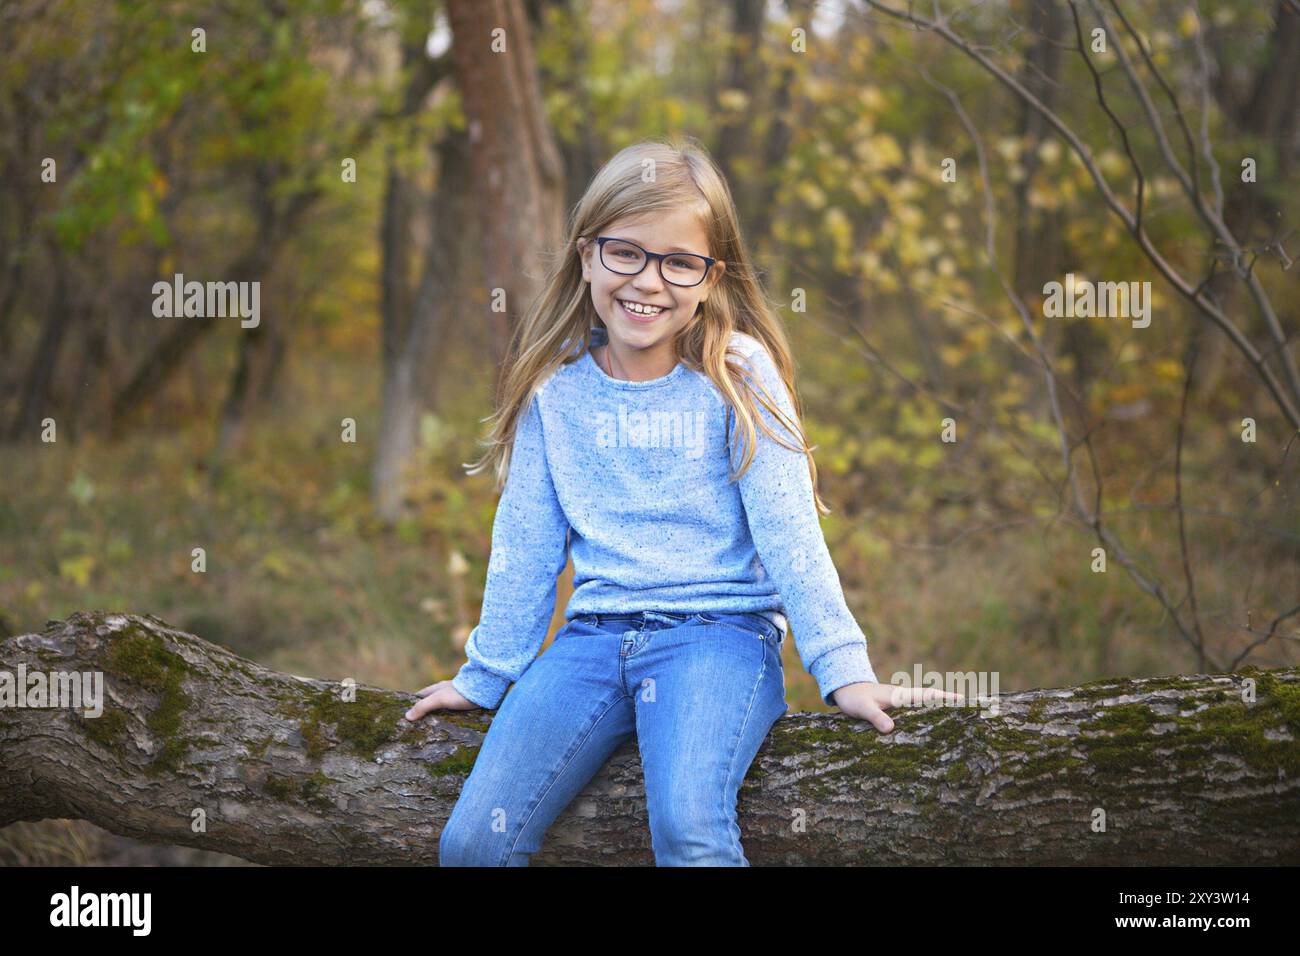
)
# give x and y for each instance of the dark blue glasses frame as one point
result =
(661, 256)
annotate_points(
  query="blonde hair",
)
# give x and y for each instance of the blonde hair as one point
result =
(685, 176)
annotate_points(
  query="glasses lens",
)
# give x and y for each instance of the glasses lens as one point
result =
(684, 269)
(622, 257)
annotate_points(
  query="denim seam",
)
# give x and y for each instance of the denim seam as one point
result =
(556, 776)
(731, 762)
(757, 632)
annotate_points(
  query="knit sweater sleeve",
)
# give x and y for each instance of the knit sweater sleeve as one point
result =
(778, 496)
(529, 551)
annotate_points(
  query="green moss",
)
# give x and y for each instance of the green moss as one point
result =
(868, 754)
(108, 729)
(795, 740)
(313, 791)
(468, 720)
(230, 663)
(1115, 752)
(310, 791)
(1283, 696)
(258, 749)
(361, 726)
(459, 763)
(1051, 764)
(1120, 686)
(1230, 727)
(138, 656)
(1123, 718)
(280, 787)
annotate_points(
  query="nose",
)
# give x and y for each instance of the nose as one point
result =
(648, 279)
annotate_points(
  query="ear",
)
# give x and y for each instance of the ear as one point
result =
(715, 276)
(584, 257)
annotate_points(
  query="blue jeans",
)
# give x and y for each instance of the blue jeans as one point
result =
(700, 693)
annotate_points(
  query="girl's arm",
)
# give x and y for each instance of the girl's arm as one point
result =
(529, 551)
(783, 521)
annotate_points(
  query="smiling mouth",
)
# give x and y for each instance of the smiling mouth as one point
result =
(640, 312)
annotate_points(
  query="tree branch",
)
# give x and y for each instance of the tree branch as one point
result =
(198, 747)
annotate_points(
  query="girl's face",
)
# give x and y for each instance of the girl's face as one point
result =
(648, 334)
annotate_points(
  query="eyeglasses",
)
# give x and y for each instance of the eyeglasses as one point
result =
(678, 268)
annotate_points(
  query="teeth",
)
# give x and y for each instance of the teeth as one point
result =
(641, 309)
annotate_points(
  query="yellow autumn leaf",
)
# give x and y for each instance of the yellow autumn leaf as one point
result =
(926, 456)
(838, 227)
(1123, 394)
(977, 336)
(886, 150)
(1112, 163)
(733, 100)
(909, 216)
(78, 569)
(811, 194)
(1168, 369)
(871, 99)
(1008, 147)
(276, 564)
(908, 189)
(887, 282)
(908, 250)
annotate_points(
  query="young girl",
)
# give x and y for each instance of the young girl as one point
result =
(614, 443)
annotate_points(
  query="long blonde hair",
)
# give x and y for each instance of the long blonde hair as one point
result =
(684, 175)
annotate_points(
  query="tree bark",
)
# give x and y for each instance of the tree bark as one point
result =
(412, 348)
(518, 178)
(34, 398)
(283, 771)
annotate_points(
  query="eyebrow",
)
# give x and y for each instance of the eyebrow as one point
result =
(671, 249)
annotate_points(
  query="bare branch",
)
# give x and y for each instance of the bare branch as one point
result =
(1207, 307)
(1091, 517)
(1210, 161)
(1191, 187)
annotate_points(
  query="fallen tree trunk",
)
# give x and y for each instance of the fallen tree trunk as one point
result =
(197, 746)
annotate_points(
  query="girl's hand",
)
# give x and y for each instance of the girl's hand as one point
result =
(441, 695)
(868, 701)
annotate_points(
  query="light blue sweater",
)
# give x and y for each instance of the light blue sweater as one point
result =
(630, 480)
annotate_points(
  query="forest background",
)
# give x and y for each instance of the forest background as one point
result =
(1055, 498)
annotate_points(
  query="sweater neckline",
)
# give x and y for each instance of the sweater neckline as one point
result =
(600, 337)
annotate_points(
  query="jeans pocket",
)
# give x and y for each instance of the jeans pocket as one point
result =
(740, 623)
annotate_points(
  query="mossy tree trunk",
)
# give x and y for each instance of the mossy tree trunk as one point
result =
(199, 747)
